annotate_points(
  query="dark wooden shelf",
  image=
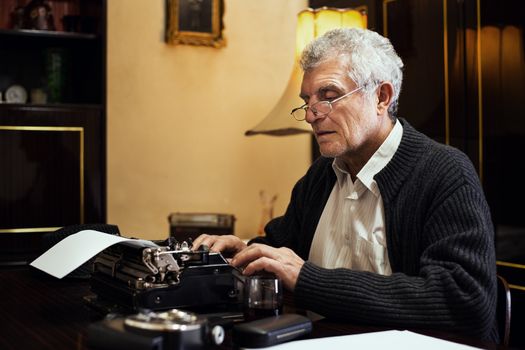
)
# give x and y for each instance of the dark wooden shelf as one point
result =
(70, 67)
(30, 33)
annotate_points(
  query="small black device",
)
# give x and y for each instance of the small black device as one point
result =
(185, 226)
(168, 330)
(271, 330)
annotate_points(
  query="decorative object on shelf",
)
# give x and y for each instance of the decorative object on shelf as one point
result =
(1, 100)
(39, 15)
(196, 22)
(16, 94)
(38, 96)
(310, 25)
(57, 74)
(18, 19)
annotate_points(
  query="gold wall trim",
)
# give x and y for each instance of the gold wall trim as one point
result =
(508, 264)
(42, 128)
(30, 230)
(514, 286)
(385, 16)
(513, 265)
(480, 92)
(78, 129)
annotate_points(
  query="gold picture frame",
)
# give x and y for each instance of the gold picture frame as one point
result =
(195, 22)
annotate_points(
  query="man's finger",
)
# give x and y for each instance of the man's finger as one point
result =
(263, 264)
(199, 240)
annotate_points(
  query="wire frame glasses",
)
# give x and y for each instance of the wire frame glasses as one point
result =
(319, 109)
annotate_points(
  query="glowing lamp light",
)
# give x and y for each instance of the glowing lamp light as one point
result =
(310, 25)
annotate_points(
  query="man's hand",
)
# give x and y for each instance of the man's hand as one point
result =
(281, 261)
(229, 244)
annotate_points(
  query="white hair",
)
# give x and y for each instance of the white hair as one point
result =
(371, 58)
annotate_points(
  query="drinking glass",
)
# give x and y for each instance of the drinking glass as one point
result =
(263, 296)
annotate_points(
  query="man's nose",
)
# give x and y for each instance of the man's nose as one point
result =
(312, 115)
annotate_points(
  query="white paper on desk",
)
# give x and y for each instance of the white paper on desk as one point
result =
(76, 249)
(387, 340)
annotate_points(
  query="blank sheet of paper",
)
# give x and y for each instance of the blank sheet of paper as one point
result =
(76, 249)
(387, 340)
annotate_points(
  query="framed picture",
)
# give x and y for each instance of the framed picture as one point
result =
(195, 22)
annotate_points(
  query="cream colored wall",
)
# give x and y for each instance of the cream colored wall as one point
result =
(177, 116)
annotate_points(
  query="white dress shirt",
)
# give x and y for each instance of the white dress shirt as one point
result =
(351, 230)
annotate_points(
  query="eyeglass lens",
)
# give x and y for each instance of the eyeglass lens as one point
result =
(319, 109)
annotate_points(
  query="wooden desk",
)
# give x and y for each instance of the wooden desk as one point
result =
(42, 312)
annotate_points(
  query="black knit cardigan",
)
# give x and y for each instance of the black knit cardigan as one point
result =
(440, 242)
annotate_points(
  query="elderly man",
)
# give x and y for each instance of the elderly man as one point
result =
(388, 228)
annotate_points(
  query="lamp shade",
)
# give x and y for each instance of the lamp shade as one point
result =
(310, 25)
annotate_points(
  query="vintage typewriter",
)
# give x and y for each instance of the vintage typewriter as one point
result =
(136, 275)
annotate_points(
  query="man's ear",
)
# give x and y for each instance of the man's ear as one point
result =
(385, 94)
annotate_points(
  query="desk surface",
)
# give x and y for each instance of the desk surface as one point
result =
(42, 312)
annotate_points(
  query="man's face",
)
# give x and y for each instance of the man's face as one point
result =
(352, 128)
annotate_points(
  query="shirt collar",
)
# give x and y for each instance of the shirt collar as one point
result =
(378, 161)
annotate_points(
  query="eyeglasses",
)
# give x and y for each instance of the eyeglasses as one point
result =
(319, 109)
